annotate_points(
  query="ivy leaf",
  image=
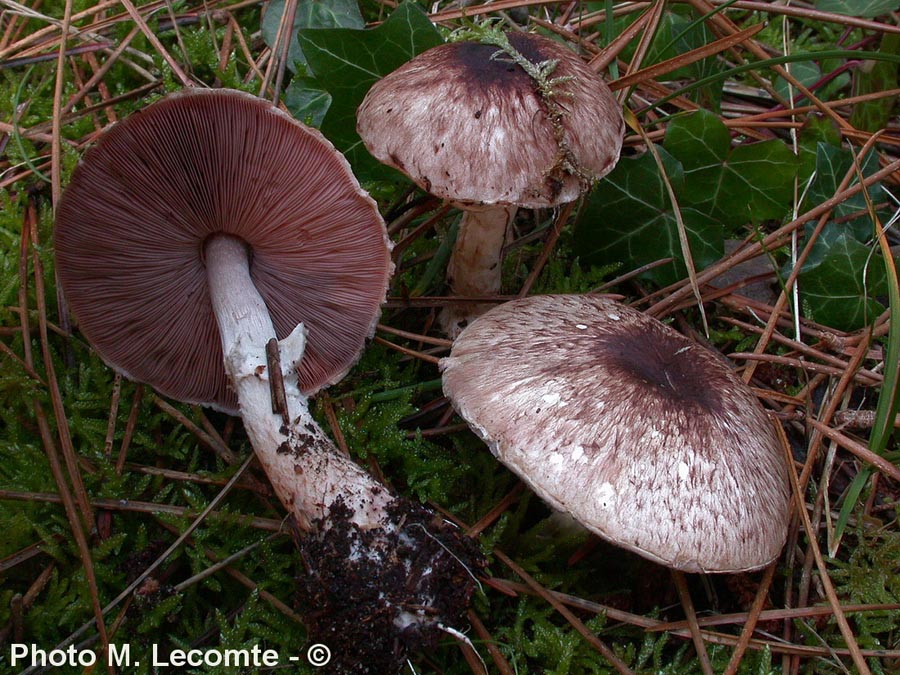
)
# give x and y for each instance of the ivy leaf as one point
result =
(832, 164)
(749, 183)
(310, 14)
(815, 130)
(306, 101)
(354, 60)
(805, 72)
(867, 8)
(841, 280)
(875, 76)
(629, 218)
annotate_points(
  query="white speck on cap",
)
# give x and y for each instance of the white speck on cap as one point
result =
(551, 399)
(604, 495)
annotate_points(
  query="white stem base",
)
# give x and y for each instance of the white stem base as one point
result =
(362, 538)
(306, 471)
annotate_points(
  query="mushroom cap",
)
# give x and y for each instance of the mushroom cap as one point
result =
(468, 125)
(648, 439)
(131, 227)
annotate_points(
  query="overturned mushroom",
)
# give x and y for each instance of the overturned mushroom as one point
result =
(645, 437)
(207, 228)
(520, 122)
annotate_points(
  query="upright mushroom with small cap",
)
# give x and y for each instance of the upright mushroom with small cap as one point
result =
(645, 437)
(207, 228)
(519, 122)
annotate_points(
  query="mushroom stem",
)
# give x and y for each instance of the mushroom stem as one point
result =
(378, 566)
(381, 570)
(306, 471)
(474, 268)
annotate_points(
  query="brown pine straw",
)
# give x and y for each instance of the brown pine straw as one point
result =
(333, 424)
(206, 439)
(151, 508)
(762, 593)
(763, 7)
(428, 358)
(404, 243)
(814, 445)
(858, 449)
(713, 48)
(37, 130)
(772, 615)
(792, 362)
(428, 339)
(198, 478)
(607, 56)
(726, 25)
(55, 26)
(680, 226)
(24, 555)
(126, 593)
(800, 507)
(99, 73)
(684, 595)
(498, 510)
(113, 414)
(56, 147)
(865, 377)
(130, 425)
(157, 44)
(240, 577)
(473, 659)
(803, 109)
(490, 644)
(617, 663)
(472, 11)
(780, 304)
(812, 14)
(679, 629)
(672, 296)
(31, 372)
(562, 216)
(74, 500)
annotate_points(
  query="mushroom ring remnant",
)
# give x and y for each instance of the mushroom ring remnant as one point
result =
(208, 228)
(520, 122)
(648, 439)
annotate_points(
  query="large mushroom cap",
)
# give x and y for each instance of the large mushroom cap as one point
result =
(131, 227)
(469, 125)
(645, 437)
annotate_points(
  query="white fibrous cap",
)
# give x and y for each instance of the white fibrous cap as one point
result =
(467, 124)
(645, 437)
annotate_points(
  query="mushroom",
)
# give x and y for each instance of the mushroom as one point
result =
(646, 438)
(211, 227)
(521, 122)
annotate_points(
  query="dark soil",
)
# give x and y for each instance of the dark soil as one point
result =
(375, 596)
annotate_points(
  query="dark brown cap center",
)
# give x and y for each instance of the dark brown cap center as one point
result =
(487, 66)
(661, 365)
